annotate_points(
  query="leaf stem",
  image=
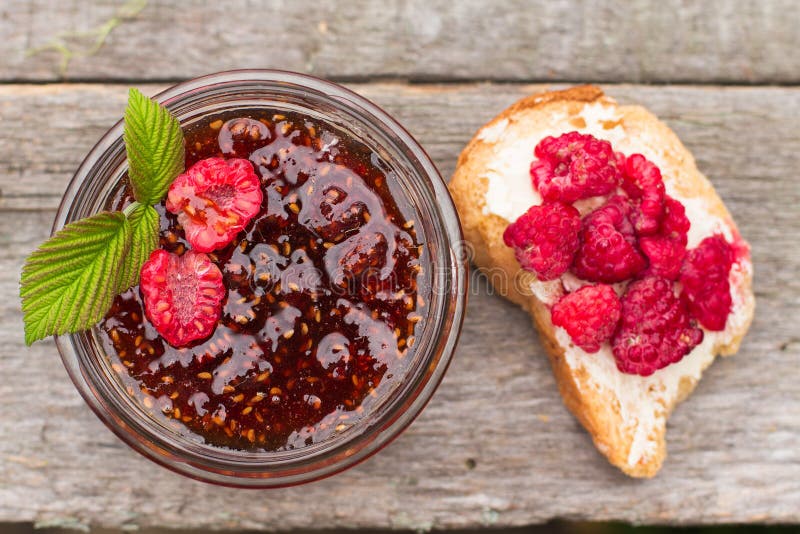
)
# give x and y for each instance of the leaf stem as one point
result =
(130, 207)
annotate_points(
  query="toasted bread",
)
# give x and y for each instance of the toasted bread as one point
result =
(625, 414)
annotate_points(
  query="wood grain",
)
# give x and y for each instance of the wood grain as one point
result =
(495, 446)
(615, 41)
(53, 126)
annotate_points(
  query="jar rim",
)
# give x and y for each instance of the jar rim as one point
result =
(217, 465)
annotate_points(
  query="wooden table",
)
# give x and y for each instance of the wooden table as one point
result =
(495, 446)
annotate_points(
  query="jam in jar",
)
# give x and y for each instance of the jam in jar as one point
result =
(326, 292)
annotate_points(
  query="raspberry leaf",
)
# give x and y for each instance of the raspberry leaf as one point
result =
(144, 222)
(70, 281)
(154, 145)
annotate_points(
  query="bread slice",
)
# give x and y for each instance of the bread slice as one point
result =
(625, 414)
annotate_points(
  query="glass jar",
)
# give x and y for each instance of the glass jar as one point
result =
(100, 179)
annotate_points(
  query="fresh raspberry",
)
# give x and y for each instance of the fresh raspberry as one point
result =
(666, 249)
(214, 201)
(545, 239)
(574, 166)
(182, 295)
(608, 251)
(642, 181)
(619, 157)
(705, 280)
(589, 315)
(655, 329)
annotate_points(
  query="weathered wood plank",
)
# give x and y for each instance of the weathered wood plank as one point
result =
(733, 454)
(616, 41)
(495, 446)
(50, 128)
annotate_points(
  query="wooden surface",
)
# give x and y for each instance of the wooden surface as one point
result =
(670, 40)
(495, 446)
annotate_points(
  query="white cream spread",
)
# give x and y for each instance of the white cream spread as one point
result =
(492, 133)
(702, 224)
(549, 291)
(642, 400)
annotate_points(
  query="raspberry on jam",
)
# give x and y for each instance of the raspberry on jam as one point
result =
(545, 239)
(182, 295)
(705, 281)
(324, 291)
(608, 250)
(574, 166)
(214, 201)
(655, 330)
(589, 315)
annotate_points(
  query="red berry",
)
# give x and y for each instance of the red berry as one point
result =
(589, 315)
(641, 180)
(182, 295)
(655, 329)
(741, 249)
(705, 280)
(545, 239)
(214, 201)
(608, 251)
(619, 157)
(574, 166)
(666, 249)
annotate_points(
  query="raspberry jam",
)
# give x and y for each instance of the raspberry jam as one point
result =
(326, 293)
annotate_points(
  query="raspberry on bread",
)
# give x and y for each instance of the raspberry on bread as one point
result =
(665, 208)
(545, 238)
(589, 315)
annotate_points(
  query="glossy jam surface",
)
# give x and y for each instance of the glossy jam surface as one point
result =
(326, 293)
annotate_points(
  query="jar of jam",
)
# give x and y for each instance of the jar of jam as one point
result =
(343, 296)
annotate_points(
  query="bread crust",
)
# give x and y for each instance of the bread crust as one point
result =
(597, 410)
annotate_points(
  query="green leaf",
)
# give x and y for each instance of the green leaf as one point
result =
(154, 144)
(144, 221)
(70, 281)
